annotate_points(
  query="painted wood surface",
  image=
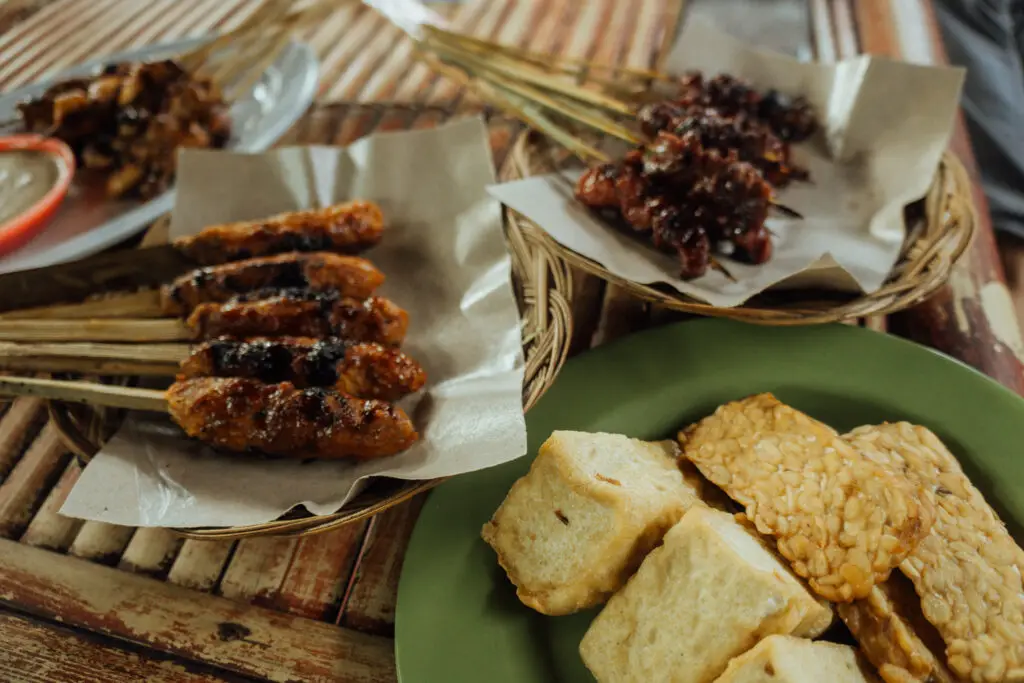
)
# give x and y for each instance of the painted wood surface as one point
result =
(144, 603)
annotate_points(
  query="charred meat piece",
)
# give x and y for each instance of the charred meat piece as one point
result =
(317, 272)
(687, 198)
(342, 228)
(373, 320)
(792, 119)
(128, 122)
(364, 370)
(750, 138)
(246, 415)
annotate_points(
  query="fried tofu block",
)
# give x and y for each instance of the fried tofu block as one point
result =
(708, 594)
(572, 530)
(967, 570)
(843, 521)
(785, 659)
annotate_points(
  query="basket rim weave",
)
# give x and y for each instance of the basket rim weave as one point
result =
(931, 250)
(542, 283)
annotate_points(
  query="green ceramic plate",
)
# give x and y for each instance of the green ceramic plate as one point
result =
(458, 617)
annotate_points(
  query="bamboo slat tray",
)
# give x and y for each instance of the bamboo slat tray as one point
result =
(542, 283)
(941, 227)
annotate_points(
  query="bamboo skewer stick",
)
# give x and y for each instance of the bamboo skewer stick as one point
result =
(148, 353)
(156, 360)
(144, 304)
(85, 392)
(164, 330)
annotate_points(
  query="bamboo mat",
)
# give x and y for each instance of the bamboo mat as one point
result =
(362, 57)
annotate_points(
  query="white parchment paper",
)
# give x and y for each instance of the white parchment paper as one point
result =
(885, 125)
(446, 263)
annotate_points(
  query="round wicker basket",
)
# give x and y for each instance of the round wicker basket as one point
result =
(542, 283)
(941, 228)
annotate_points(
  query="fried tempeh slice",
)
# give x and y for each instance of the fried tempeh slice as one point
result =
(364, 370)
(967, 570)
(843, 521)
(244, 414)
(894, 636)
(349, 276)
(373, 320)
(344, 228)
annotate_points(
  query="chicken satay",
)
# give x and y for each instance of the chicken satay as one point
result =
(344, 228)
(318, 272)
(371, 320)
(364, 370)
(246, 415)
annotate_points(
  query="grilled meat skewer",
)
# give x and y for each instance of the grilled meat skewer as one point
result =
(342, 228)
(365, 370)
(751, 139)
(792, 119)
(373, 320)
(243, 414)
(349, 276)
(686, 198)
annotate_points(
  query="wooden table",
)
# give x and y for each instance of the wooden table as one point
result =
(87, 601)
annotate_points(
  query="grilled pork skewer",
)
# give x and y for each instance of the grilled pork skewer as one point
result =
(243, 415)
(373, 320)
(343, 228)
(363, 370)
(318, 272)
(366, 370)
(349, 276)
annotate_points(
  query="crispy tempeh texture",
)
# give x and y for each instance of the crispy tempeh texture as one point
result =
(894, 635)
(967, 570)
(349, 276)
(841, 520)
(246, 415)
(344, 228)
(372, 320)
(364, 370)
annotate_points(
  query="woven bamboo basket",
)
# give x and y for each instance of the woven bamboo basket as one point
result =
(940, 228)
(542, 283)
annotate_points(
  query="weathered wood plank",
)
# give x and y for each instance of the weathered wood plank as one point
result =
(101, 542)
(48, 528)
(200, 563)
(31, 652)
(257, 569)
(151, 551)
(249, 640)
(370, 602)
(972, 317)
(29, 481)
(16, 427)
(314, 585)
(1011, 249)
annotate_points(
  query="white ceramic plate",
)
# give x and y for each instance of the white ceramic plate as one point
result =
(87, 223)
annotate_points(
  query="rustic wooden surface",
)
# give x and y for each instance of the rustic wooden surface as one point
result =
(82, 601)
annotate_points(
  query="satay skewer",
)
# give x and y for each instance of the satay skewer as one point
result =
(364, 370)
(373, 320)
(256, 278)
(244, 415)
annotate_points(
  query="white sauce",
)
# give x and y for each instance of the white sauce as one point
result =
(25, 178)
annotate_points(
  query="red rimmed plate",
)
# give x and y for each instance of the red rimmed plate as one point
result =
(19, 229)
